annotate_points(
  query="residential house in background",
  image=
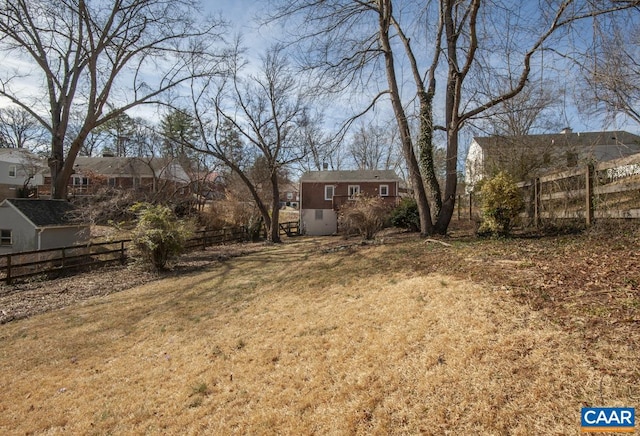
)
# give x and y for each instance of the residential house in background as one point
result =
(141, 174)
(20, 172)
(28, 224)
(323, 193)
(289, 196)
(526, 157)
(207, 185)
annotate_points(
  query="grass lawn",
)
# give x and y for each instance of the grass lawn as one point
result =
(301, 339)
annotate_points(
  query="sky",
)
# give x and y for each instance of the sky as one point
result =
(241, 15)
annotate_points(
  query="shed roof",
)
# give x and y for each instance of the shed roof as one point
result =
(45, 213)
(350, 176)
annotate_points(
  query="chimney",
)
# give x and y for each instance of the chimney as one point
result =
(325, 166)
(566, 131)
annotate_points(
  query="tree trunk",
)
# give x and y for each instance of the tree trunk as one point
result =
(274, 230)
(425, 146)
(426, 225)
(452, 120)
(451, 182)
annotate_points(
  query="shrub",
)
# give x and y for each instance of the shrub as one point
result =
(501, 203)
(406, 215)
(365, 217)
(159, 236)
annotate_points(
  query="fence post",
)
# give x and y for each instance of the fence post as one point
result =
(470, 206)
(459, 204)
(536, 201)
(589, 194)
(8, 279)
(122, 258)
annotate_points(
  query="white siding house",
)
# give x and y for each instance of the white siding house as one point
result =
(18, 168)
(34, 224)
(526, 157)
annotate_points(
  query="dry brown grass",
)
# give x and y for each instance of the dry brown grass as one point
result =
(301, 339)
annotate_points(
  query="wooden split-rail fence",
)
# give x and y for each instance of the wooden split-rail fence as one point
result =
(82, 257)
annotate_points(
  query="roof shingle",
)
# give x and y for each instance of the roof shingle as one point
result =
(45, 213)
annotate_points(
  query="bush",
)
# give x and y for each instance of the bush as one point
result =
(159, 236)
(365, 217)
(501, 203)
(406, 215)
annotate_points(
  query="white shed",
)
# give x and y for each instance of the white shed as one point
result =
(34, 224)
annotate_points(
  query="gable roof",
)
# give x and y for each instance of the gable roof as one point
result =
(45, 213)
(350, 176)
(115, 166)
(19, 156)
(602, 146)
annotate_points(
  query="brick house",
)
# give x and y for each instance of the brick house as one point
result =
(125, 173)
(289, 196)
(323, 193)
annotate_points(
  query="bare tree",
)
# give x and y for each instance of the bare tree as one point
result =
(18, 129)
(372, 148)
(266, 113)
(320, 148)
(613, 75)
(350, 40)
(535, 108)
(87, 54)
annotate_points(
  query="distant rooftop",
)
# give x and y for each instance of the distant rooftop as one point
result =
(606, 145)
(350, 176)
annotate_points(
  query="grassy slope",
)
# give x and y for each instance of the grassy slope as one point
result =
(293, 339)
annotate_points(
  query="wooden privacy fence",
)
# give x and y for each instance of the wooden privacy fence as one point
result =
(609, 190)
(81, 257)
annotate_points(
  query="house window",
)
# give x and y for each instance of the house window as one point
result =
(354, 190)
(319, 214)
(384, 190)
(5, 237)
(289, 195)
(80, 181)
(12, 171)
(328, 192)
